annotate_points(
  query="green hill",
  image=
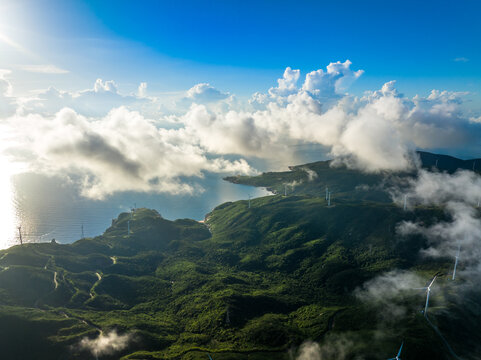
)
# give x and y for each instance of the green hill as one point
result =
(347, 184)
(249, 283)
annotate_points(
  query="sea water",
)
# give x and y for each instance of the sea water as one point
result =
(51, 208)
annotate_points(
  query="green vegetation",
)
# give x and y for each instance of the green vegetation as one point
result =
(246, 284)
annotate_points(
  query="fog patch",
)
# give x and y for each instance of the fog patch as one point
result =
(388, 292)
(106, 344)
(333, 347)
(311, 174)
(458, 194)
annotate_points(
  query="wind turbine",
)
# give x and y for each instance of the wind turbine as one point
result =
(285, 190)
(128, 222)
(329, 199)
(249, 201)
(227, 316)
(20, 235)
(327, 193)
(398, 354)
(405, 202)
(456, 262)
(428, 293)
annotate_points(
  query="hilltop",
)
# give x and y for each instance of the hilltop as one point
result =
(251, 282)
(348, 184)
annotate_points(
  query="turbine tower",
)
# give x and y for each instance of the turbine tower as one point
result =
(405, 202)
(227, 316)
(327, 193)
(428, 293)
(398, 354)
(83, 237)
(285, 190)
(249, 201)
(20, 235)
(456, 262)
(128, 222)
(329, 199)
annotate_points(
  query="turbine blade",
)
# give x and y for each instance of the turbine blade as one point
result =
(400, 349)
(427, 304)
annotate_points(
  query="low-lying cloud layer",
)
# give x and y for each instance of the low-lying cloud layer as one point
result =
(111, 142)
(106, 344)
(122, 151)
(334, 346)
(460, 195)
(388, 291)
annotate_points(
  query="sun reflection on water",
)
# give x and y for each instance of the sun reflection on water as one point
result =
(8, 217)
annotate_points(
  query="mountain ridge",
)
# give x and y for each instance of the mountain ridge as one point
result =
(255, 281)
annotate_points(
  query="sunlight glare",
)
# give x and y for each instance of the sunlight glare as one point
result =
(8, 219)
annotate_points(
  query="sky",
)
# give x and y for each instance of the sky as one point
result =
(145, 96)
(241, 46)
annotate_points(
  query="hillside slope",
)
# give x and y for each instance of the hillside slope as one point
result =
(348, 184)
(252, 282)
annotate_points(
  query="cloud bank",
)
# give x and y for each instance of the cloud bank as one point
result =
(109, 142)
(460, 196)
(122, 151)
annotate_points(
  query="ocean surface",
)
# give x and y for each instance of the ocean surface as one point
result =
(49, 208)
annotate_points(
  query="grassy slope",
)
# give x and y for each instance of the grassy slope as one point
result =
(249, 284)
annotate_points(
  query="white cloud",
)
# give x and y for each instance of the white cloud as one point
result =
(441, 188)
(459, 194)
(389, 293)
(226, 133)
(117, 142)
(334, 346)
(106, 344)
(120, 152)
(476, 120)
(387, 287)
(142, 90)
(309, 351)
(97, 101)
(204, 93)
(461, 59)
(335, 80)
(376, 132)
(287, 84)
(7, 102)
(104, 86)
(43, 69)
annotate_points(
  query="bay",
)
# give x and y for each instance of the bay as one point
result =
(51, 208)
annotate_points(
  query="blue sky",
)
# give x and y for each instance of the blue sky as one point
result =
(150, 96)
(242, 46)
